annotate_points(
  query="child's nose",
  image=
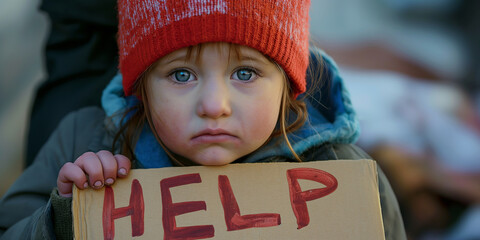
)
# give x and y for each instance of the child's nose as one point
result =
(214, 101)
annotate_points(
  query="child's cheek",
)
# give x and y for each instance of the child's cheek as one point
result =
(263, 116)
(169, 123)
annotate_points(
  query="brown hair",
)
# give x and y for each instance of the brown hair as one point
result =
(129, 132)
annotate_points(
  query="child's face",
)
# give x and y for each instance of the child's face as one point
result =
(215, 107)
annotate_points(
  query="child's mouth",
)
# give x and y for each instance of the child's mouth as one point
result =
(213, 136)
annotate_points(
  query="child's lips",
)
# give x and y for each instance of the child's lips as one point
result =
(214, 136)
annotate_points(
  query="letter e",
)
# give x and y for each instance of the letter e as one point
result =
(170, 210)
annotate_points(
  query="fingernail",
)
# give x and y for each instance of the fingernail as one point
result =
(109, 181)
(85, 185)
(98, 184)
(122, 171)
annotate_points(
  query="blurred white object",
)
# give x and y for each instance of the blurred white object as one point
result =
(419, 117)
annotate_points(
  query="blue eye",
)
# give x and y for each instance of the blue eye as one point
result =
(244, 74)
(182, 76)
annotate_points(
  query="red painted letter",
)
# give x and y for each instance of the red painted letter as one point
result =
(299, 199)
(170, 210)
(233, 218)
(135, 210)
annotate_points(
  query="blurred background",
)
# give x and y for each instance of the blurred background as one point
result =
(413, 71)
(23, 30)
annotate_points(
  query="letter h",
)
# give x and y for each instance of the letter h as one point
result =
(135, 209)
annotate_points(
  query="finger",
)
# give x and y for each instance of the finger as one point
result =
(109, 165)
(91, 165)
(70, 174)
(124, 164)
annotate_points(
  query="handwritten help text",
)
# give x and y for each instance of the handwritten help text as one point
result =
(234, 220)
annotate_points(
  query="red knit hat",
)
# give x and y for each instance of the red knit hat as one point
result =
(151, 29)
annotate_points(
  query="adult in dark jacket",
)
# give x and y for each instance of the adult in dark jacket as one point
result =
(81, 58)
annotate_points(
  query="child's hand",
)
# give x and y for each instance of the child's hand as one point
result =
(94, 169)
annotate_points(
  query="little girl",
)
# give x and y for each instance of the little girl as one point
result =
(200, 83)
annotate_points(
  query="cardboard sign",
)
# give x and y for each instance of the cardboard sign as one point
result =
(312, 200)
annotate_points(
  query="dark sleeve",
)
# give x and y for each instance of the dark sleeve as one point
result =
(81, 58)
(27, 210)
(392, 217)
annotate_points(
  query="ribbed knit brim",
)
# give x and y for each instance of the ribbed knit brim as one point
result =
(151, 29)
